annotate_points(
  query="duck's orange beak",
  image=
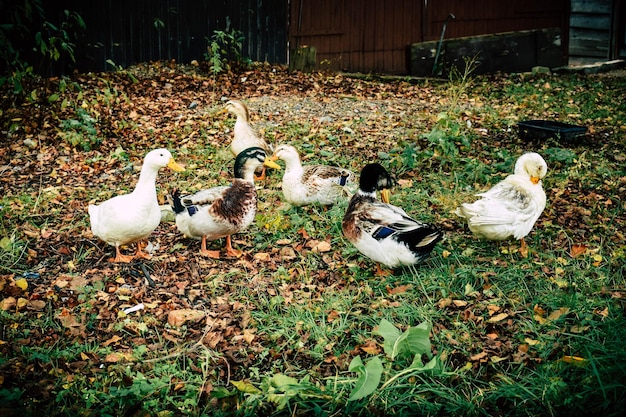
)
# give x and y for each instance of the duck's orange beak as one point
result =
(174, 166)
(385, 193)
(535, 180)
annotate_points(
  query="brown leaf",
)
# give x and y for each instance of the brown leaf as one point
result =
(399, 289)
(479, 356)
(370, 347)
(112, 340)
(577, 250)
(179, 317)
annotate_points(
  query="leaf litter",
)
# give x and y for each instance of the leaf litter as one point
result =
(191, 300)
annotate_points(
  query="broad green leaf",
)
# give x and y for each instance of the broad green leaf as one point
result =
(415, 340)
(220, 392)
(390, 334)
(5, 242)
(433, 365)
(369, 378)
(246, 387)
(282, 381)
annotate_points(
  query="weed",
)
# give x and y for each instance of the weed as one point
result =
(224, 46)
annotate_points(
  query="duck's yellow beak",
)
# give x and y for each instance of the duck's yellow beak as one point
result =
(535, 180)
(385, 193)
(174, 166)
(269, 162)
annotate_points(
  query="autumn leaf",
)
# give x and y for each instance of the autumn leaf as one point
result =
(498, 317)
(556, 314)
(577, 250)
(399, 289)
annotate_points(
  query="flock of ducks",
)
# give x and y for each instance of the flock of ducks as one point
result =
(379, 230)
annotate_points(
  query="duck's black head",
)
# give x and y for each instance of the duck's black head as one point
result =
(249, 160)
(374, 177)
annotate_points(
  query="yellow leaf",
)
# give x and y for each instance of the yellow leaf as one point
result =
(498, 317)
(530, 342)
(577, 328)
(22, 283)
(248, 335)
(539, 319)
(244, 386)
(21, 302)
(574, 360)
(556, 314)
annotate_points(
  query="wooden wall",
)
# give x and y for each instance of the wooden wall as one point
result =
(590, 30)
(374, 35)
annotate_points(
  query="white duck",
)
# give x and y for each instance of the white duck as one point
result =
(383, 232)
(312, 184)
(511, 207)
(132, 217)
(243, 136)
(219, 212)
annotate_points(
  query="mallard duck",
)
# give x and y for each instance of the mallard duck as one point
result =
(132, 217)
(244, 136)
(311, 184)
(219, 212)
(384, 232)
(511, 207)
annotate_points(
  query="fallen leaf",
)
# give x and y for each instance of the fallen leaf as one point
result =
(22, 284)
(179, 317)
(574, 360)
(8, 303)
(262, 256)
(111, 341)
(36, 305)
(248, 335)
(399, 289)
(556, 314)
(479, 356)
(322, 247)
(577, 250)
(498, 317)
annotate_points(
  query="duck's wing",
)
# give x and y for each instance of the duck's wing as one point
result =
(386, 221)
(204, 197)
(505, 203)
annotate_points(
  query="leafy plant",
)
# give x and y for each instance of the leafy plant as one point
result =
(224, 46)
(80, 131)
(399, 347)
(52, 42)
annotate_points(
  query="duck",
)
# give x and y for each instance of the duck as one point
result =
(244, 136)
(512, 206)
(222, 211)
(312, 184)
(132, 217)
(381, 231)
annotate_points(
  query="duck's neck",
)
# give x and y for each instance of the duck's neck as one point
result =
(243, 126)
(147, 181)
(293, 165)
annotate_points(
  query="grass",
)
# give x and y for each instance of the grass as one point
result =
(515, 336)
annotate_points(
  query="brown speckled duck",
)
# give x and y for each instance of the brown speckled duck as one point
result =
(222, 211)
(312, 184)
(243, 136)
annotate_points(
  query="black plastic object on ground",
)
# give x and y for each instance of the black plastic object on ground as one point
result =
(543, 129)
